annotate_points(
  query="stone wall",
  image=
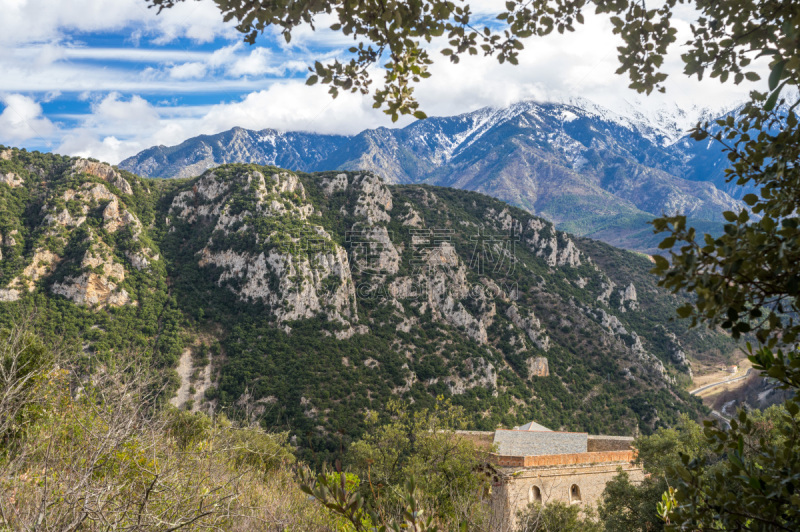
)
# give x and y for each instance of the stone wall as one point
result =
(533, 443)
(577, 483)
(609, 443)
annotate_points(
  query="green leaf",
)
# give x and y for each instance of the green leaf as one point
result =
(312, 80)
(776, 74)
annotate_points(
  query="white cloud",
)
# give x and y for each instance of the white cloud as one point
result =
(22, 119)
(255, 64)
(30, 21)
(193, 70)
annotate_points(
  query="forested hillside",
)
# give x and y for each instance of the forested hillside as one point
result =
(304, 300)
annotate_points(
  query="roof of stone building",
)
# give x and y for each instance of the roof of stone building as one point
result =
(535, 442)
(533, 426)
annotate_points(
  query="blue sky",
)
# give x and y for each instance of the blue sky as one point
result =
(108, 78)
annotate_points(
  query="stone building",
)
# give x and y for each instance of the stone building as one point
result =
(535, 464)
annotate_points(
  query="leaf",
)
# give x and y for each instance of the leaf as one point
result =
(750, 199)
(312, 80)
(776, 74)
(667, 243)
(773, 98)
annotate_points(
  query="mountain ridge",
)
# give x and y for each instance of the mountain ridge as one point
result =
(589, 170)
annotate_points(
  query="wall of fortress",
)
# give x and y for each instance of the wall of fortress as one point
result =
(573, 481)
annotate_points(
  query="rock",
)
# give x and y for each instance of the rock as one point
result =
(628, 300)
(6, 155)
(531, 325)
(334, 184)
(104, 172)
(374, 201)
(97, 286)
(11, 179)
(538, 367)
(9, 294)
(556, 249)
(43, 263)
(606, 289)
(412, 219)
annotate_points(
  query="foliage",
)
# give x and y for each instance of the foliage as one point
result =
(421, 445)
(629, 507)
(97, 456)
(753, 485)
(557, 516)
(746, 279)
(351, 506)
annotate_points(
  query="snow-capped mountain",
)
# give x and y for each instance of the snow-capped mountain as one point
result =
(590, 170)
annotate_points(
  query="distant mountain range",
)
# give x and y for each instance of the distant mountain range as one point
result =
(587, 169)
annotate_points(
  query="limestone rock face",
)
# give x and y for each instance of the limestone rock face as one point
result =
(628, 299)
(606, 291)
(675, 350)
(374, 201)
(531, 326)
(115, 217)
(556, 248)
(335, 184)
(11, 179)
(98, 284)
(538, 367)
(298, 275)
(43, 263)
(104, 172)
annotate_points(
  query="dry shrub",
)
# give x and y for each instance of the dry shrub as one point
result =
(96, 453)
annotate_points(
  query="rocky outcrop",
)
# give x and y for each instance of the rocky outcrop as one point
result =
(538, 367)
(374, 200)
(104, 172)
(628, 299)
(531, 325)
(305, 275)
(555, 248)
(115, 217)
(675, 351)
(11, 179)
(98, 284)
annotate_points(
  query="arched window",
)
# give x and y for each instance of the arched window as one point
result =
(535, 494)
(574, 494)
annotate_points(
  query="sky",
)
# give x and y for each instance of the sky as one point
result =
(109, 78)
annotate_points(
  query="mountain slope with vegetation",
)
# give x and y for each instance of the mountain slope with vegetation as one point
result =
(305, 300)
(588, 170)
